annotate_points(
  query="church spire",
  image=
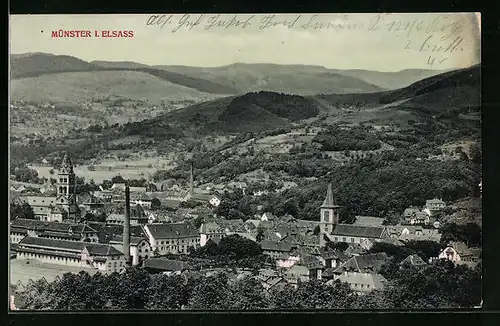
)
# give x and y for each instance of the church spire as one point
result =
(66, 164)
(329, 202)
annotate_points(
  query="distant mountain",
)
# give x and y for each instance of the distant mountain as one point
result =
(456, 88)
(303, 79)
(391, 80)
(247, 113)
(37, 65)
(118, 64)
(34, 64)
(252, 112)
(238, 78)
(291, 79)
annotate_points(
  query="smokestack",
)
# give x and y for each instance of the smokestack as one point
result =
(191, 179)
(126, 227)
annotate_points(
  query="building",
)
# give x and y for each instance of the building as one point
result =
(297, 273)
(459, 253)
(21, 228)
(62, 206)
(276, 249)
(329, 213)
(171, 237)
(413, 215)
(356, 234)
(361, 283)
(140, 249)
(210, 230)
(166, 266)
(102, 257)
(435, 205)
(118, 219)
(413, 260)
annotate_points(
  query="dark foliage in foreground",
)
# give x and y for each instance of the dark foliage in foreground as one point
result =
(440, 285)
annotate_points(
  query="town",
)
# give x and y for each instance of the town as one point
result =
(111, 230)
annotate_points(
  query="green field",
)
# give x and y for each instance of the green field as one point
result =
(21, 271)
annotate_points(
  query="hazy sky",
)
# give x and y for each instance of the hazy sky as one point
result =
(389, 42)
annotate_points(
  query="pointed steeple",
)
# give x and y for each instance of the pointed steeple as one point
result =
(329, 202)
(66, 164)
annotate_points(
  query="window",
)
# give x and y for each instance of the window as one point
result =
(326, 216)
(343, 239)
(352, 239)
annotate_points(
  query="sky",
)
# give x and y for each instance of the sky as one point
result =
(383, 42)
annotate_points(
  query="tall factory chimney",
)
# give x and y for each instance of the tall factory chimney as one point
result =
(191, 178)
(126, 227)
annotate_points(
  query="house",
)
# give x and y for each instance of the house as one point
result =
(355, 234)
(172, 237)
(102, 257)
(414, 233)
(214, 201)
(140, 249)
(366, 263)
(435, 205)
(297, 273)
(274, 249)
(20, 228)
(166, 266)
(361, 283)
(413, 260)
(142, 199)
(314, 264)
(210, 230)
(287, 260)
(415, 216)
(118, 186)
(268, 217)
(301, 240)
(271, 284)
(459, 253)
(90, 202)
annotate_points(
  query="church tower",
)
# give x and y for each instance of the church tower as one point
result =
(66, 178)
(66, 183)
(329, 213)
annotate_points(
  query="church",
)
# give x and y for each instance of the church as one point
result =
(63, 206)
(334, 231)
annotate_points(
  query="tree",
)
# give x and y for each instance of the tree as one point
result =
(316, 230)
(211, 294)
(155, 204)
(260, 234)
(117, 179)
(21, 211)
(342, 246)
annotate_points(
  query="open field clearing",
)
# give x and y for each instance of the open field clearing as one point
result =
(21, 271)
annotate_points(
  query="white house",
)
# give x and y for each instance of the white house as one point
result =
(214, 201)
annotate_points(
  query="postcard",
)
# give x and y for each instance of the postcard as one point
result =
(245, 162)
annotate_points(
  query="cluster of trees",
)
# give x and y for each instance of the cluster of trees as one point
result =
(357, 138)
(440, 285)
(470, 234)
(292, 107)
(23, 173)
(23, 210)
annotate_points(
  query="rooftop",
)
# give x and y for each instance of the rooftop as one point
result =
(171, 230)
(358, 231)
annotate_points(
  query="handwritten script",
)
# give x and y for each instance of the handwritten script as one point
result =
(436, 38)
